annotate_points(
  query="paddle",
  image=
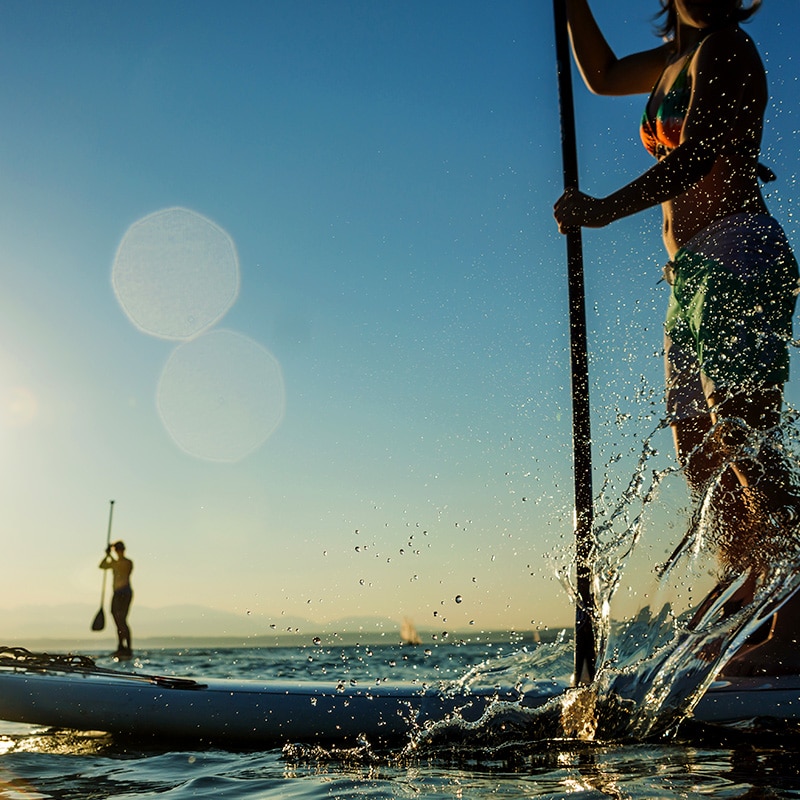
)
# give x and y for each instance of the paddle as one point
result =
(100, 620)
(581, 433)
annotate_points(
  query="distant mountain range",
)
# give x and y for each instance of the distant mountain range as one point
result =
(69, 627)
(72, 622)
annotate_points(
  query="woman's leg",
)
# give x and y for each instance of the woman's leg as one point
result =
(759, 411)
(756, 506)
(754, 498)
(699, 461)
(120, 604)
(702, 460)
(742, 426)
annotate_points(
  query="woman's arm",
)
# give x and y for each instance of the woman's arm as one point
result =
(670, 177)
(602, 71)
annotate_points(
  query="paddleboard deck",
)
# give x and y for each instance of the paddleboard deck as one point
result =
(236, 710)
(89, 698)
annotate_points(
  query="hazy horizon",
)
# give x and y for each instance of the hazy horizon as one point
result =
(195, 625)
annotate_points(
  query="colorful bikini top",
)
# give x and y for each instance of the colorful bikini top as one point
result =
(663, 133)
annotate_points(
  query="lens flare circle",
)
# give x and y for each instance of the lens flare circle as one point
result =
(175, 274)
(221, 396)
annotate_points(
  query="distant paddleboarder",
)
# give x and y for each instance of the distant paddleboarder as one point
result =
(121, 567)
(732, 273)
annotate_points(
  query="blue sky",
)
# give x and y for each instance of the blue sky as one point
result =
(385, 174)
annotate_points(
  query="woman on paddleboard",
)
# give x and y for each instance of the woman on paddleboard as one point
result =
(121, 567)
(732, 273)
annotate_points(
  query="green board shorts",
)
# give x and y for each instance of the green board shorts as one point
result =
(729, 317)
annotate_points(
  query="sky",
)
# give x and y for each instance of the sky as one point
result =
(282, 280)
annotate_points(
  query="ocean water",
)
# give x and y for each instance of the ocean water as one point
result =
(747, 762)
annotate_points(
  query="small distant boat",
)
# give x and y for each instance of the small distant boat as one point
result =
(408, 633)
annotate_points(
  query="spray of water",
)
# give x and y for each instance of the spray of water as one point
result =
(697, 612)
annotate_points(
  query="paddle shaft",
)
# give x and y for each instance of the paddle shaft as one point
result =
(108, 544)
(110, 517)
(581, 429)
(99, 620)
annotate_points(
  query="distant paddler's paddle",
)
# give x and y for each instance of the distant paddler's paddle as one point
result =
(100, 620)
(585, 654)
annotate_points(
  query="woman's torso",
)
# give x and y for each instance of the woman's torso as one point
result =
(122, 569)
(732, 185)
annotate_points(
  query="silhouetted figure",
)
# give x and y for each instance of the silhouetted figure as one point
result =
(121, 567)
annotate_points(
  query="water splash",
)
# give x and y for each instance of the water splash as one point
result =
(655, 668)
(656, 665)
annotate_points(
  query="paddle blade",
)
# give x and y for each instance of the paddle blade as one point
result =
(99, 621)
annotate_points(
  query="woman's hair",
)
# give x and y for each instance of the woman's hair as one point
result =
(670, 24)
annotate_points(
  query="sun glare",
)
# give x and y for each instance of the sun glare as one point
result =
(221, 396)
(19, 407)
(175, 274)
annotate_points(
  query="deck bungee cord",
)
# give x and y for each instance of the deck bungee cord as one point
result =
(22, 659)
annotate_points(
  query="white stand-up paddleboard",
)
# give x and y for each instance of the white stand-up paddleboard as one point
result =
(222, 710)
(85, 697)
